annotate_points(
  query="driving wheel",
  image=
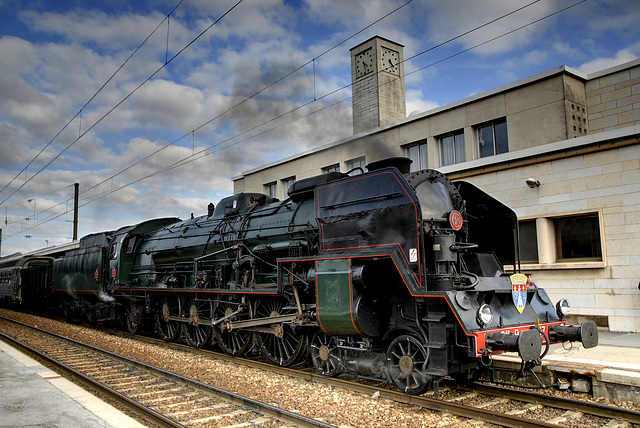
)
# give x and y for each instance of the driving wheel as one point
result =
(168, 328)
(325, 355)
(235, 342)
(282, 346)
(133, 317)
(406, 363)
(197, 330)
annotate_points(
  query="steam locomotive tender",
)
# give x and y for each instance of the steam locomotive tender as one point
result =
(384, 274)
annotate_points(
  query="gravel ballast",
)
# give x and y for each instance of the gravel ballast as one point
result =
(337, 406)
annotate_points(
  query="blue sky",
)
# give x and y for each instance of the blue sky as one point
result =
(221, 87)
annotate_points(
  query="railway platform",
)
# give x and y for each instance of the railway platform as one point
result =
(611, 369)
(31, 395)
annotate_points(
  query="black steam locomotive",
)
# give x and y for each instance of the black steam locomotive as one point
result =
(385, 274)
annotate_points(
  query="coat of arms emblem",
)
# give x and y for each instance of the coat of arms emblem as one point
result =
(519, 290)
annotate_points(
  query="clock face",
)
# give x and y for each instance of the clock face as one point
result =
(364, 63)
(390, 61)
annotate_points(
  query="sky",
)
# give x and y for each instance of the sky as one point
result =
(152, 106)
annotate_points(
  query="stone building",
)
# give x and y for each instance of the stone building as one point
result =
(561, 148)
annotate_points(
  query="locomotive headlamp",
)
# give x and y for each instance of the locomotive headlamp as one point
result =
(562, 308)
(484, 315)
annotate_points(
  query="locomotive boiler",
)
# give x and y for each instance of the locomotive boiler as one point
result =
(386, 274)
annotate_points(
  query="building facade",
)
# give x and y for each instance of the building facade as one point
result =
(561, 148)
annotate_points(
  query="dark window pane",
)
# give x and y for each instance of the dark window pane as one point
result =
(528, 242)
(578, 237)
(486, 141)
(502, 143)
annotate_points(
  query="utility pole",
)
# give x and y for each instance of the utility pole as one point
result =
(76, 187)
(0, 242)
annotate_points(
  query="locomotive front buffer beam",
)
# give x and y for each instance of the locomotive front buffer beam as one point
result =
(528, 344)
(587, 333)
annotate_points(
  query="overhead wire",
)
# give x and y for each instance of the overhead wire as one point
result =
(255, 94)
(122, 100)
(86, 104)
(167, 61)
(315, 98)
(207, 151)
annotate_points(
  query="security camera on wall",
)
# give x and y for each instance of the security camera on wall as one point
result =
(533, 183)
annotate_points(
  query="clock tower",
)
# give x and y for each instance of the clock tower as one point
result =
(377, 74)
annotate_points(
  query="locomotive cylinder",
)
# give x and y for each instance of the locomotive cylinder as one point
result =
(369, 364)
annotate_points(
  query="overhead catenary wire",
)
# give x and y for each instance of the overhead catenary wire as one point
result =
(207, 151)
(86, 104)
(120, 102)
(204, 124)
(255, 94)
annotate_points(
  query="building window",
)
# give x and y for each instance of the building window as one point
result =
(271, 189)
(286, 183)
(452, 148)
(569, 241)
(331, 168)
(492, 138)
(528, 241)
(418, 154)
(578, 238)
(356, 166)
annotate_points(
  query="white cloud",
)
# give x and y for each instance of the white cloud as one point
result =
(624, 55)
(416, 102)
(113, 33)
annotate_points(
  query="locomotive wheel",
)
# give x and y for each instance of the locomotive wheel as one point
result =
(197, 330)
(325, 355)
(68, 311)
(235, 343)
(90, 316)
(168, 329)
(406, 361)
(133, 317)
(284, 346)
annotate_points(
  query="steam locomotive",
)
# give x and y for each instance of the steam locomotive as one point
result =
(385, 274)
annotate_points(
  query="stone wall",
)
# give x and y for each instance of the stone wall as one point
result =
(613, 99)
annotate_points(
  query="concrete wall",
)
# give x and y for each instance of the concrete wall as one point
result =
(613, 99)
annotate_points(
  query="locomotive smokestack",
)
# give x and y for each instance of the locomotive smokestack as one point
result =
(401, 163)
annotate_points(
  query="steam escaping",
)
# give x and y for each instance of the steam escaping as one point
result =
(105, 298)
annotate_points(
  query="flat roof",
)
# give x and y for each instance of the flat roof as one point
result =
(415, 117)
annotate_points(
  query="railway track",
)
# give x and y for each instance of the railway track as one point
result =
(496, 405)
(489, 403)
(164, 399)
